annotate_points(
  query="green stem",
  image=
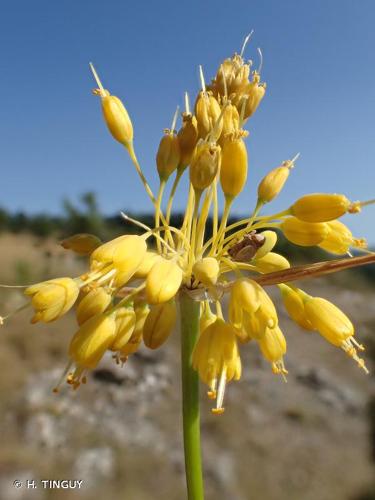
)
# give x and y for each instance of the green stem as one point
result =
(190, 397)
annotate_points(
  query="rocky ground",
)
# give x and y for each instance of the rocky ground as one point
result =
(307, 439)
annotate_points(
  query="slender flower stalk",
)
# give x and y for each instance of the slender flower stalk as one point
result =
(132, 291)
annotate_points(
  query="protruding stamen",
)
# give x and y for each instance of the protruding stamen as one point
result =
(187, 103)
(201, 76)
(260, 61)
(97, 79)
(247, 38)
(224, 82)
(62, 377)
(174, 121)
(220, 392)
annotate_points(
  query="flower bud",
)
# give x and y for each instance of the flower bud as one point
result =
(245, 295)
(255, 324)
(117, 119)
(187, 138)
(271, 185)
(147, 263)
(273, 347)
(271, 263)
(95, 302)
(302, 233)
(53, 298)
(168, 155)
(270, 240)
(206, 271)
(233, 171)
(163, 281)
(204, 165)
(293, 299)
(159, 324)
(82, 244)
(320, 207)
(340, 239)
(125, 322)
(141, 313)
(93, 338)
(207, 112)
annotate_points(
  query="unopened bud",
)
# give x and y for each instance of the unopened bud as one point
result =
(233, 171)
(320, 207)
(163, 281)
(206, 271)
(207, 112)
(168, 155)
(204, 165)
(159, 324)
(271, 185)
(302, 233)
(187, 138)
(95, 302)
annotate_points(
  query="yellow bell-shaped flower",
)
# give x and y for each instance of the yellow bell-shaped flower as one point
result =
(141, 313)
(125, 318)
(293, 299)
(204, 165)
(273, 347)
(340, 239)
(53, 298)
(217, 360)
(246, 295)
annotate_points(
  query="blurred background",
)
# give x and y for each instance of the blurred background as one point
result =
(62, 173)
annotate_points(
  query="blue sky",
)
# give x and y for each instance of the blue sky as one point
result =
(319, 65)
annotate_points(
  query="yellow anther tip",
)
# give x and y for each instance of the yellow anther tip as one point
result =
(217, 411)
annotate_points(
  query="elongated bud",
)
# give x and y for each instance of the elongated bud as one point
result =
(159, 324)
(340, 239)
(320, 207)
(141, 313)
(52, 299)
(125, 322)
(207, 112)
(204, 165)
(206, 271)
(233, 171)
(95, 302)
(305, 234)
(115, 114)
(147, 263)
(168, 155)
(270, 240)
(271, 185)
(271, 263)
(293, 299)
(273, 347)
(90, 342)
(187, 138)
(163, 281)
(82, 244)
(245, 295)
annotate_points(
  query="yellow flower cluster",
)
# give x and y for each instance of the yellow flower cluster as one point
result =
(130, 293)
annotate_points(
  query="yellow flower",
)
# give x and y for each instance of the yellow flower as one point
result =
(204, 165)
(150, 258)
(254, 93)
(207, 317)
(53, 298)
(293, 299)
(334, 326)
(320, 207)
(217, 360)
(270, 240)
(159, 324)
(340, 239)
(206, 271)
(271, 185)
(305, 234)
(117, 119)
(163, 281)
(246, 295)
(207, 112)
(123, 256)
(125, 318)
(233, 171)
(255, 324)
(273, 347)
(82, 244)
(95, 302)
(231, 122)
(141, 313)
(89, 344)
(168, 155)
